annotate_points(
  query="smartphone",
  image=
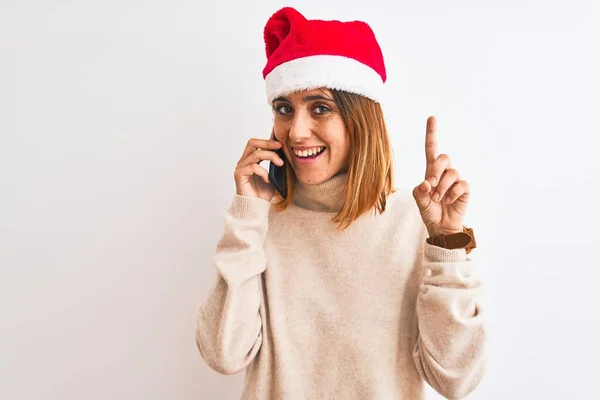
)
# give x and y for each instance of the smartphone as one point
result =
(277, 174)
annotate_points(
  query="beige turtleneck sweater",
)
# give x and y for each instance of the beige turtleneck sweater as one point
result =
(311, 312)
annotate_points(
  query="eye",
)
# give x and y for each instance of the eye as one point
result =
(282, 109)
(321, 109)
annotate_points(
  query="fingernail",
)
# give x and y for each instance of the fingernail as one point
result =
(433, 181)
(280, 162)
(436, 196)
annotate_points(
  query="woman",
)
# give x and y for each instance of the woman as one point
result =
(346, 288)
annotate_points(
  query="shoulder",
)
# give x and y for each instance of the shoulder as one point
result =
(402, 210)
(402, 202)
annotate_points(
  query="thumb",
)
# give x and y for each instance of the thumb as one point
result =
(421, 194)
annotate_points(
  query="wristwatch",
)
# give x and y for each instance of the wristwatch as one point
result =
(465, 239)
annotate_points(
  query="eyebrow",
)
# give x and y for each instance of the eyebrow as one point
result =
(305, 99)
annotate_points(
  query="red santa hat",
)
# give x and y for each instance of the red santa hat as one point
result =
(308, 54)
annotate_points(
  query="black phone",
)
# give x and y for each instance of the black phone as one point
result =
(277, 174)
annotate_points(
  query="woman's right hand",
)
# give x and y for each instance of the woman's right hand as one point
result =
(250, 178)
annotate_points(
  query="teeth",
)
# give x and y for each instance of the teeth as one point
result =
(309, 152)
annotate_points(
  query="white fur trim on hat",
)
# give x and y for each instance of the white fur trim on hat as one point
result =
(334, 72)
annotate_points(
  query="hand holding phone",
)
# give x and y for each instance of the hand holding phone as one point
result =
(251, 179)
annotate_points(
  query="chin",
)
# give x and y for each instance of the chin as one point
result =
(314, 177)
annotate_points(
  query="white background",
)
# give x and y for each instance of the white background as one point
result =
(120, 126)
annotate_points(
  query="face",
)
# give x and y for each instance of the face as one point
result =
(312, 131)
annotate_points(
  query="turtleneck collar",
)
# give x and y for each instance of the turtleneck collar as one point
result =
(322, 197)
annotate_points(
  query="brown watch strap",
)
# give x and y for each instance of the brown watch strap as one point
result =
(465, 239)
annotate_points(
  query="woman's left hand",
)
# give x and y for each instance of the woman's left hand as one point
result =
(445, 214)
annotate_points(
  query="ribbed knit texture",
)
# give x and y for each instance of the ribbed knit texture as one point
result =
(311, 312)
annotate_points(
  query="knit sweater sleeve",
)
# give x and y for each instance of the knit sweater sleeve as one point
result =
(450, 350)
(229, 323)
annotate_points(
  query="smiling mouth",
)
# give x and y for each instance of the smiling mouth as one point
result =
(308, 154)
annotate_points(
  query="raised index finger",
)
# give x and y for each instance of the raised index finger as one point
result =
(431, 140)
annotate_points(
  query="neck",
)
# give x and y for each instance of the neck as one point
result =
(322, 197)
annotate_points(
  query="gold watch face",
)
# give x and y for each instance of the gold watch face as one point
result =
(471, 245)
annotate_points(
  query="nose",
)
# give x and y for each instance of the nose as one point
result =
(301, 128)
